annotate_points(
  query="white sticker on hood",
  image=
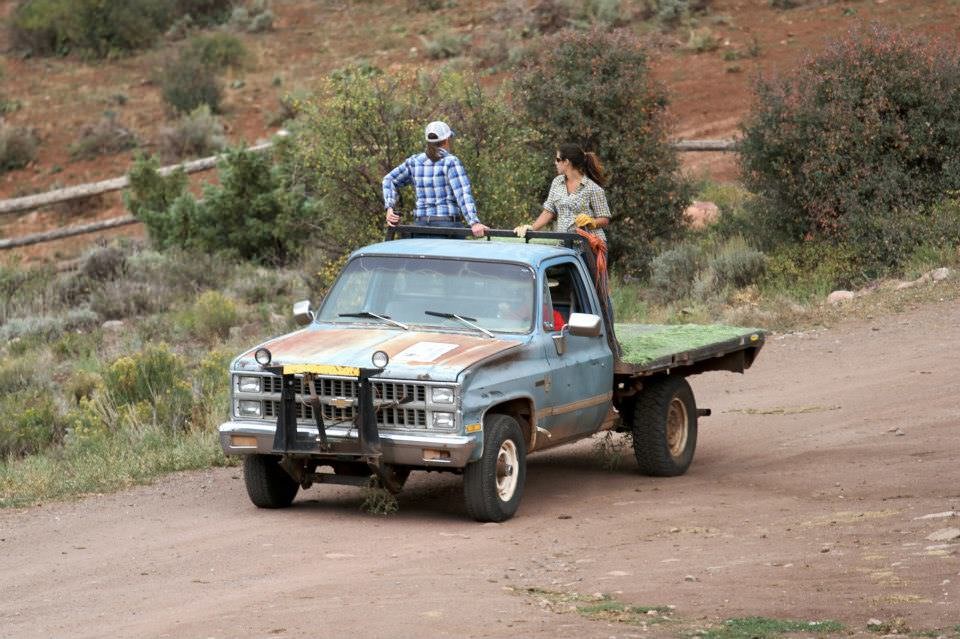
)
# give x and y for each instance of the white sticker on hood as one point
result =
(423, 352)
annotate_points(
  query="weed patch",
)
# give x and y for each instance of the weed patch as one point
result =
(196, 134)
(608, 449)
(377, 500)
(104, 137)
(764, 627)
(599, 607)
(18, 147)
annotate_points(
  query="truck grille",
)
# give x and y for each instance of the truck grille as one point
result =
(339, 399)
(329, 387)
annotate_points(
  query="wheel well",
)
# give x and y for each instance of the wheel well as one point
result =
(521, 409)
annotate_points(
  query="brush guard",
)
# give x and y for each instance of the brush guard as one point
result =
(298, 450)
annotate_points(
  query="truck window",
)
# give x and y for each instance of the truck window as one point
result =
(498, 296)
(565, 292)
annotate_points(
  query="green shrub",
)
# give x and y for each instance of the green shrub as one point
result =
(343, 145)
(187, 83)
(103, 263)
(48, 327)
(82, 385)
(197, 134)
(18, 147)
(674, 12)
(673, 272)
(218, 51)
(617, 111)
(101, 28)
(126, 298)
(94, 27)
(150, 194)
(813, 269)
(148, 388)
(103, 137)
(256, 212)
(737, 265)
(205, 12)
(445, 44)
(858, 144)
(31, 423)
(211, 316)
(256, 18)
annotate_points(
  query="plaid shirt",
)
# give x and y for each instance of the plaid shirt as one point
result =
(442, 187)
(589, 198)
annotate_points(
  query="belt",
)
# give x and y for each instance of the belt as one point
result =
(438, 218)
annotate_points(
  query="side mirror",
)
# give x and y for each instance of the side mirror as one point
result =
(302, 314)
(584, 324)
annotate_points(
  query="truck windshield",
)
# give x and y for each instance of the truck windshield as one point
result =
(500, 297)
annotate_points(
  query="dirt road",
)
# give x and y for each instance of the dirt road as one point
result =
(810, 498)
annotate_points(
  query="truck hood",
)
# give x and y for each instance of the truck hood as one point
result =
(413, 354)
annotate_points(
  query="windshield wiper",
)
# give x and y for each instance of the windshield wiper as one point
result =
(383, 318)
(469, 321)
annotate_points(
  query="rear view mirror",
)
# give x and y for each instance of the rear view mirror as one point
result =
(302, 314)
(584, 324)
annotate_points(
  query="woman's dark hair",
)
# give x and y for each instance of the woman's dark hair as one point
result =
(433, 151)
(586, 162)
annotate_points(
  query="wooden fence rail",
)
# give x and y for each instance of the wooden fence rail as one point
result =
(31, 202)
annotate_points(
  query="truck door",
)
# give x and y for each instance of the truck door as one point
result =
(579, 381)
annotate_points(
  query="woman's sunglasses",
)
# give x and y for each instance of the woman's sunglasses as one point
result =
(558, 159)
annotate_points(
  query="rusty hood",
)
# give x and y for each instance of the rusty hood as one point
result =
(440, 356)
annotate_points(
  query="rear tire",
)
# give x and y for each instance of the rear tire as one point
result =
(493, 485)
(268, 485)
(664, 427)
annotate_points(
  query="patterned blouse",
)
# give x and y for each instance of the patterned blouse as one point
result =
(588, 198)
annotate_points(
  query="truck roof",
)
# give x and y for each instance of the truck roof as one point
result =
(498, 251)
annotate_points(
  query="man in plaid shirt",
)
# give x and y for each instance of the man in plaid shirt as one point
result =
(441, 184)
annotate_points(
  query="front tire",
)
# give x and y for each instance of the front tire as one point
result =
(268, 485)
(664, 427)
(493, 485)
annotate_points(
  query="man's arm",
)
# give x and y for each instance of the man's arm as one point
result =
(399, 176)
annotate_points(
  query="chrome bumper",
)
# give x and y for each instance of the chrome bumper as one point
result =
(402, 449)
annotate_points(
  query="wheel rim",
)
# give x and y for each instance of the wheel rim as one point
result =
(507, 470)
(677, 427)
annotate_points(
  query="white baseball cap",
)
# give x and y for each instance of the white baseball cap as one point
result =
(438, 132)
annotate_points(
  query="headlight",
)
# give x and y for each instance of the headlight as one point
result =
(263, 356)
(248, 408)
(443, 421)
(380, 359)
(248, 384)
(442, 395)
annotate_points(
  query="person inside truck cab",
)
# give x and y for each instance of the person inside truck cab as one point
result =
(444, 195)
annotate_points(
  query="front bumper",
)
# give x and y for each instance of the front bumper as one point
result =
(401, 449)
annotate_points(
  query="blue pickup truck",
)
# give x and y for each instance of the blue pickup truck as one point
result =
(464, 356)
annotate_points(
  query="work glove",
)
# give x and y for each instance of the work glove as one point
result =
(584, 221)
(521, 231)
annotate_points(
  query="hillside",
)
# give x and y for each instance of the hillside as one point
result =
(707, 64)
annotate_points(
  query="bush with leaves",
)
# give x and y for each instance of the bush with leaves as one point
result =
(259, 210)
(101, 28)
(103, 137)
(197, 134)
(218, 51)
(18, 147)
(345, 143)
(188, 82)
(858, 143)
(148, 388)
(595, 89)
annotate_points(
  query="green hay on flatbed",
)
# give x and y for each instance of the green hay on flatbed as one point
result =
(646, 343)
